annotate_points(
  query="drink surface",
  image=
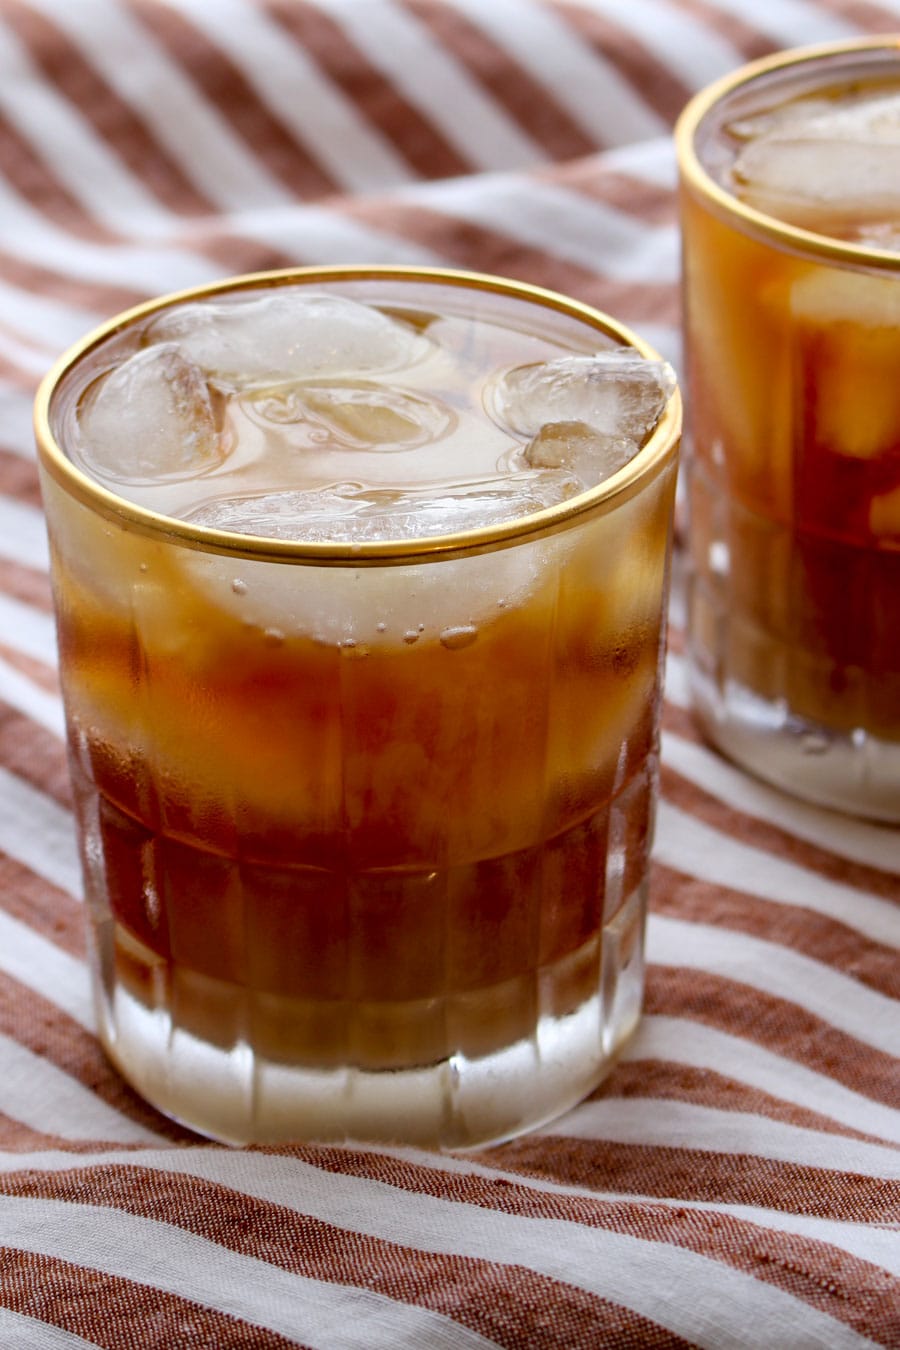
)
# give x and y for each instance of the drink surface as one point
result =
(795, 481)
(365, 847)
(314, 415)
(828, 161)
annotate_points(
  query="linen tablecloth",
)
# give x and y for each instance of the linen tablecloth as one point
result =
(736, 1181)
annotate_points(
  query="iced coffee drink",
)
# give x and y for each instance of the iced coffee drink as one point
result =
(360, 580)
(791, 216)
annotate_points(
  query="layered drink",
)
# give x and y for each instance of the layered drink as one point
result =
(360, 583)
(791, 219)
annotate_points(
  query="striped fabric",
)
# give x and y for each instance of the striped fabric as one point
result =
(736, 1182)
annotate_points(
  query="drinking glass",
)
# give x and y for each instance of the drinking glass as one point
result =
(364, 825)
(792, 319)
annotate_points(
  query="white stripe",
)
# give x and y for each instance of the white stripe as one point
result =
(47, 323)
(430, 79)
(678, 690)
(651, 161)
(663, 1123)
(581, 81)
(198, 139)
(315, 234)
(46, 969)
(16, 431)
(28, 630)
(690, 845)
(838, 1000)
(877, 1245)
(23, 535)
(38, 833)
(658, 1280)
(563, 223)
(36, 1093)
(333, 1316)
(28, 1333)
(287, 79)
(92, 173)
(692, 51)
(680, 1040)
(873, 845)
(790, 23)
(34, 238)
(26, 697)
(22, 357)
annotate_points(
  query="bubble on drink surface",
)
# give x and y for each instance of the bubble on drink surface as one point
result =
(823, 163)
(150, 419)
(590, 455)
(352, 513)
(288, 334)
(356, 414)
(617, 394)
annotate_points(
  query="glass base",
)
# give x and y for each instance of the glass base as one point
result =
(852, 772)
(232, 1092)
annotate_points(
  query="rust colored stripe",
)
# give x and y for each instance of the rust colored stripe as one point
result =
(705, 1087)
(529, 102)
(49, 1032)
(510, 1305)
(464, 244)
(235, 100)
(840, 1284)
(701, 1174)
(42, 906)
(118, 1314)
(835, 944)
(779, 842)
(381, 104)
(27, 174)
(34, 755)
(782, 1027)
(19, 477)
(652, 81)
(26, 584)
(64, 67)
(43, 676)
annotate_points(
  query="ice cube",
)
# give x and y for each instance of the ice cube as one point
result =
(357, 415)
(351, 513)
(150, 419)
(286, 335)
(615, 393)
(822, 163)
(590, 455)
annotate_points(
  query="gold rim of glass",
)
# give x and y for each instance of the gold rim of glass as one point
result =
(695, 176)
(658, 450)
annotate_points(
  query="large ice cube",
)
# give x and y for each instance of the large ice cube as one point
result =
(822, 163)
(357, 414)
(590, 455)
(350, 513)
(286, 335)
(150, 419)
(616, 393)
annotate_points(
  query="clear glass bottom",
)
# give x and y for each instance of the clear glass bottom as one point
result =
(854, 772)
(223, 1087)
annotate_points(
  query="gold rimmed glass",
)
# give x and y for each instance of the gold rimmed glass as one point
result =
(364, 828)
(792, 345)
